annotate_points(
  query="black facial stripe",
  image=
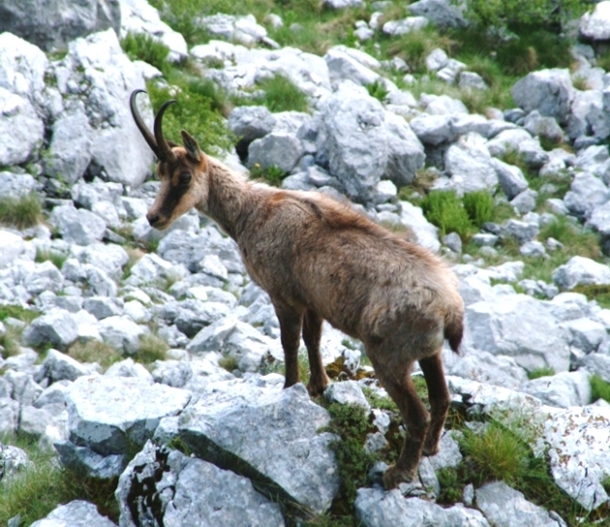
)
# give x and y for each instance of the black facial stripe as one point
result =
(172, 198)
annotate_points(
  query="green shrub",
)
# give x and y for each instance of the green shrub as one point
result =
(351, 424)
(600, 389)
(447, 212)
(141, 46)
(479, 206)
(272, 175)
(18, 312)
(542, 13)
(22, 212)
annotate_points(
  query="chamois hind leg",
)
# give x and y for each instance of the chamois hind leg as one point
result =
(396, 379)
(290, 336)
(439, 397)
(312, 333)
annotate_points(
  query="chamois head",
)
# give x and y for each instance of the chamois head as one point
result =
(180, 170)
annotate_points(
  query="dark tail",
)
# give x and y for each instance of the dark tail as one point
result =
(454, 329)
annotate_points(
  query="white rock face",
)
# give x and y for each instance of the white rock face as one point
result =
(595, 24)
(581, 271)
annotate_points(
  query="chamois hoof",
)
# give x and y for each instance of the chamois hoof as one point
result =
(316, 389)
(394, 476)
(431, 450)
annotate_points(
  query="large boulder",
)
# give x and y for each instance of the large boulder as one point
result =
(521, 327)
(548, 91)
(52, 24)
(267, 434)
(364, 144)
(200, 493)
(581, 271)
(77, 513)
(97, 75)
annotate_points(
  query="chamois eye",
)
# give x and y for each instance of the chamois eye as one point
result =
(184, 178)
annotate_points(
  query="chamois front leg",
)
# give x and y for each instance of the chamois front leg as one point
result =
(312, 334)
(290, 328)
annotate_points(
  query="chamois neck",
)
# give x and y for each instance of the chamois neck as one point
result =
(227, 195)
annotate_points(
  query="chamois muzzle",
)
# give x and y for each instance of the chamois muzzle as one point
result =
(157, 143)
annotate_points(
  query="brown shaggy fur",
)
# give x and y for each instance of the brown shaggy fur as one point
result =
(320, 260)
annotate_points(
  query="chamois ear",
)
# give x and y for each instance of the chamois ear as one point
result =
(192, 148)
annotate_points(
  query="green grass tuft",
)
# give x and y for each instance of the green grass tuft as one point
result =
(479, 206)
(272, 175)
(22, 212)
(600, 389)
(94, 351)
(152, 348)
(281, 95)
(58, 259)
(141, 46)
(378, 90)
(41, 487)
(544, 371)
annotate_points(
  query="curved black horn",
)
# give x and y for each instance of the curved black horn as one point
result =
(140, 123)
(165, 151)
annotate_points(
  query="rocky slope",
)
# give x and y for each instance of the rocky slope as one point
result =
(205, 435)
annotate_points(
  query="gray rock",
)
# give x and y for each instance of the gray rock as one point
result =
(586, 193)
(346, 392)
(53, 26)
(251, 122)
(595, 24)
(506, 507)
(525, 201)
(521, 231)
(486, 368)
(12, 460)
(23, 388)
(271, 432)
(122, 334)
(84, 460)
(519, 327)
(9, 415)
(60, 367)
(396, 28)
(597, 364)
(33, 422)
(510, 177)
(44, 277)
(581, 271)
(97, 71)
(190, 492)
(469, 80)
(275, 150)
(545, 127)
(57, 327)
(441, 13)
(586, 334)
(102, 307)
(549, 91)
(343, 65)
(364, 144)
(129, 368)
(131, 419)
(469, 164)
(77, 513)
(562, 390)
(577, 439)
(78, 225)
(340, 4)
(70, 149)
(21, 130)
(379, 508)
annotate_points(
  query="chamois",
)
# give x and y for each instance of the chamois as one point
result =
(320, 260)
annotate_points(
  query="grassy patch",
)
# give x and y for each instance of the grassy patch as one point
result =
(94, 351)
(544, 371)
(57, 259)
(152, 348)
(18, 312)
(141, 46)
(44, 485)
(351, 423)
(600, 389)
(228, 363)
(22, 212)
(282, 95)
(599, 293)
